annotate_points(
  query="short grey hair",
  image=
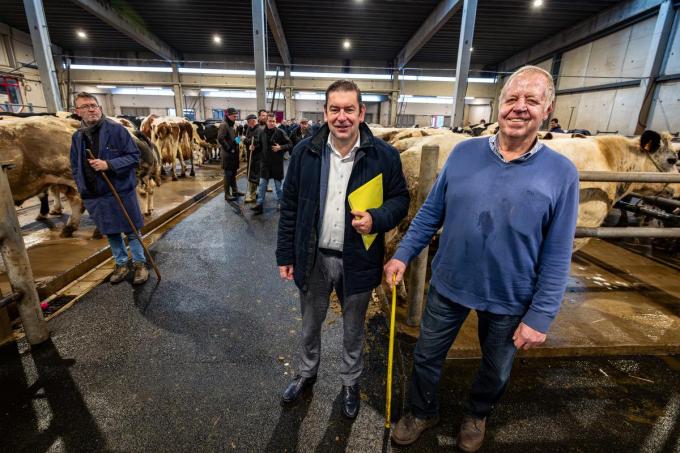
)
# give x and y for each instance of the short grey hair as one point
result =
(85, 95)
(550, 90)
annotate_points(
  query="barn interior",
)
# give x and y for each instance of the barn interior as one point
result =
(161, 368)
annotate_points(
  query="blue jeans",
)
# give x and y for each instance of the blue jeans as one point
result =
(438, 329)
(119, 251)
(262, 190)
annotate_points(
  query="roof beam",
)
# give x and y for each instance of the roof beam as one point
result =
(276, 27)
(605, 22)
(436, 20)
(104, 11)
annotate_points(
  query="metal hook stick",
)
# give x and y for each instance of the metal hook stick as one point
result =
(127, 216)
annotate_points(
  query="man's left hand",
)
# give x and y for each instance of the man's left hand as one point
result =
(276, 148)
(525, 337)
(98, 164)
(362, 222)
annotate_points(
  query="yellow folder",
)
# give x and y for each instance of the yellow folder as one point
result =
(368, 196)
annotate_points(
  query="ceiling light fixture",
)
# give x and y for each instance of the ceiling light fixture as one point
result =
(217, 39)
(472, 49)
(81, 34)
(538, 3)
(346, 44)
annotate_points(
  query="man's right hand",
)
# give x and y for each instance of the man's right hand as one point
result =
(394, 268)
(286, 272)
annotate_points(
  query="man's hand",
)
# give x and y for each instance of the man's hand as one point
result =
(393, 268)
(276, 148)
(252, 147)
(525, 337)
(286, 272)
(98, 164)
(362, 222)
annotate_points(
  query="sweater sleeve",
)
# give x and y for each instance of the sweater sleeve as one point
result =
(427, 221)
(555, 260)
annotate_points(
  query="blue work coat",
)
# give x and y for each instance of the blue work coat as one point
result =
(120, 152)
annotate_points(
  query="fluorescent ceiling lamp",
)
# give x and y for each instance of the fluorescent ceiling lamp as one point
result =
(106, 86)
(446, 79)
(153, 88)
(205, 90)
(239, 94)
(143, 92)
(98, 67)
(309, 96)
(538, 3)
(341, 75)
(371, 98)
(216, 71)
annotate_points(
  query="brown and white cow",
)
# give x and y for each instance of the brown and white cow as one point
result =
(172, 135)
(39, 147)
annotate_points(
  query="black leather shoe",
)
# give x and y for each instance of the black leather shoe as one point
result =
(257, 209)
(350, 401)
(296, 388)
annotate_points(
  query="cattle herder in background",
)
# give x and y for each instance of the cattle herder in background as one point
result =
(229, 153)
(116, 154)
(253, 128)
(271, 144)
(507, 206)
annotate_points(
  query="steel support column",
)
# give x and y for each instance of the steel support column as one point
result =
(179, 93)
(655, 59)
(467, 30)
(394, 99)
(40, 38)
(288, 93)
(259, 34)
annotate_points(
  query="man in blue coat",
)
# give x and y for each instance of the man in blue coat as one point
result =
(116, 154)
(320, 243)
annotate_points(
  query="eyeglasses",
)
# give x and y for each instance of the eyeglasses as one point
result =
(88, 107)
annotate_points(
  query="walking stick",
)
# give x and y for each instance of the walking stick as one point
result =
(127, 216)
(390, 355)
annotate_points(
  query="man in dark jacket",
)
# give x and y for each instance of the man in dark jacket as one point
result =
(272, 143)
(226, 136)
(255, 126)
(320, 243)
(301, 132)
(116, 154)
(555, 126)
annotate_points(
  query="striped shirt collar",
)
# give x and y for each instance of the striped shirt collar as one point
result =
(493, 144)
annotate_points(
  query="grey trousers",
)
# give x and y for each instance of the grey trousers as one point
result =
(326, 275)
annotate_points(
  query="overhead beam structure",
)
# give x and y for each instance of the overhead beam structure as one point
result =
(40, 39)
(276, 27)
(658, 53)
(436, 20)
(107, 13)
(467, 31)
(259, 32)
(619, 15)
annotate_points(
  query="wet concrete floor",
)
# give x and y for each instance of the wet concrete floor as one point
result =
(51, 255)
(198, 363)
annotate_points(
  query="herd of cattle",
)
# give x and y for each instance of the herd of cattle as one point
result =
(38, 146)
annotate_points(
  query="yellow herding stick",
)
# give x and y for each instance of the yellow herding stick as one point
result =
(390, 355)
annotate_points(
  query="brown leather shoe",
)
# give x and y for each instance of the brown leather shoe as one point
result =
(141, 274)
(471, 435)
(119, 273)
(409, 427)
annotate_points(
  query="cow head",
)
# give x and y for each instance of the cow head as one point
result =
(658, 148)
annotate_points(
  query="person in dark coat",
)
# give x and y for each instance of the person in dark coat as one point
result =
(272, 143)
(253, 128)
(555, 126)
(301, 132)
(320, 241)
(226, 137)
(116, 154)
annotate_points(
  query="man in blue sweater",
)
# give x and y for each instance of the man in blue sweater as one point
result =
(508, 206)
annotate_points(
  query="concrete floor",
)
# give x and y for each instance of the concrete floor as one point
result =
(198, 363)
(51, 255)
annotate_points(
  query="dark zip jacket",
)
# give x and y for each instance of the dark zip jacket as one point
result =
(303, 190)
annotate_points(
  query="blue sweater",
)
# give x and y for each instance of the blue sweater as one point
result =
(508, 230)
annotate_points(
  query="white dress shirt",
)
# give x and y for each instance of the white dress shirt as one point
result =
(333, 224)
